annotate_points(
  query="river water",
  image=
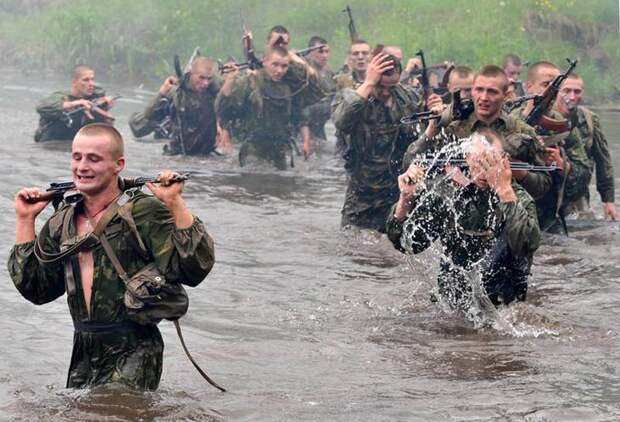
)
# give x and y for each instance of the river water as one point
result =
(302, 321)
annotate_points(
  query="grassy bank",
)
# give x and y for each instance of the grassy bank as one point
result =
(136, 40)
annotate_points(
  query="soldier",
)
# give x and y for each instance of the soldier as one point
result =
(587, 131)
(461, 79)
(575, 171)
(316, 115)
(359, 54)
(63, 113)
(512, 65)
(278, 35)
(108, 345)
(189, 111)
(368, 118)
(265, 106)
(489, 92)
(486, 223)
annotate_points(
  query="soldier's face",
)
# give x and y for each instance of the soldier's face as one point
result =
(476, 150)
(513, 71)
(544, 77)
(276, 66)
(93, 165)
(570, 95)
(383, 90)
(320, 57)
(84, 85)
(489, 95)
(359, 55)
(457, 83)
(200, 78)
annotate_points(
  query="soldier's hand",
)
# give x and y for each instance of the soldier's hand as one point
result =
(232, 71)
(411, 181)
(553, 156)
(28, 204)
(165, 87)
(610, 211)
(412, 64)
(377, 66)
(167, 191)
(222, 141)
(107, 100)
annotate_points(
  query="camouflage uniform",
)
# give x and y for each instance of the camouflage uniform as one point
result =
(567, 187)
(343, 80)
(521, 144)
(265, 113)
(316, 115)
(107, 345)
(52, 123)
(375, 143)
(196, 111)
(476, 231)
(587, 132)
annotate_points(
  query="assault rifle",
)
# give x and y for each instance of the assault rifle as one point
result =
(56, 191)
(305, 51)
(543, 104)
(516, 102)
(352, 30)
(253, 62)
(458, 160)
(95, 106)
(458, 109)
(426, 86)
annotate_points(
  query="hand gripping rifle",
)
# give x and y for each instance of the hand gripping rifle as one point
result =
(543, 104)
(95, 106)
(458, 109)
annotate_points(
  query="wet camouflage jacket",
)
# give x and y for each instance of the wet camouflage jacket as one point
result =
(473, 225)
(196, 111)
(264, 113)
(316, 115)
(521, 144)
(587, 131)
(133, 355)
(52, 122)
(375, 143)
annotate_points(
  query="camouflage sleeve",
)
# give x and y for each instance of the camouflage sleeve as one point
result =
(234, 106)
(521, 223)
(183, 255)
(418, 231)
(156, 108)
(348, 107)
(38, 283)
(50, 107)
(140, 126)
(602, 163)
(580, 173)
(538, 183)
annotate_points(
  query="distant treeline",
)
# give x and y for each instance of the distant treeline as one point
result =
(136, 40)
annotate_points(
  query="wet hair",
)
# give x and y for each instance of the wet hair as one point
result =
(511, 58)
(316, 40)
(491, 135)
(77, 71)
(278, 29)
(493, 71)
(203, 62)
(534, 69)
(357, 42)
(117, 148)
(276, 49)
(398, 67)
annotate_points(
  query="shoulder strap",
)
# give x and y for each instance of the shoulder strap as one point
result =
(590, 123)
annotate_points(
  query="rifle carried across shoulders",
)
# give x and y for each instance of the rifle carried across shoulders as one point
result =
(543, 103)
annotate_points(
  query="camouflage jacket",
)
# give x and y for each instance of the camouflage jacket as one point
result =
(469, 223)
(196, 110)
(132, 356)
(521, 144)
(315, 115)
(265, 111)
(53, 124)
(587, 131)
(375, 141)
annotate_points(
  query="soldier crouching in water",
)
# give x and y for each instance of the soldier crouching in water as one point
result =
(189, 109)
(483, 218)
(263, 105)
(369, 120)
(108, 345)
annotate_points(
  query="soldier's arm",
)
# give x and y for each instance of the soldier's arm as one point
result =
(51, 107)
(580, 173)
(232, 102)
(39, 283)
(521, 223)
(603, 164)
(348, 109)
(184, 255)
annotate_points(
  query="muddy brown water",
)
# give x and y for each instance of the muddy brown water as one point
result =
(302, 321)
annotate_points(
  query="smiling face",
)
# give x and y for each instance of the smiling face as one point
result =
(570, 95)
(489, 93)
(96, 162)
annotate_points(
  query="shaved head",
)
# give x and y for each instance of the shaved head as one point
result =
(115, 139)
